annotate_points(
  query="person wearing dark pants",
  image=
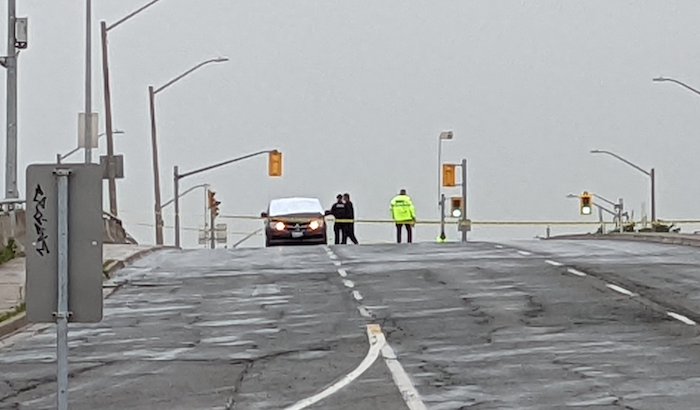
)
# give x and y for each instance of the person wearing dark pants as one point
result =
(350, 226)
(338, 211)
(404, 214)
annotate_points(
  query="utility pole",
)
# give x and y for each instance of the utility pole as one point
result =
(212, 234)
(10, 63)
(176, 181)
(111, 177)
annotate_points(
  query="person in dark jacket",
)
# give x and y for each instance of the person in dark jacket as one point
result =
(350, 226)
(338, 211)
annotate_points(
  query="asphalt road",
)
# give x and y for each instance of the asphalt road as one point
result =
(522, 325)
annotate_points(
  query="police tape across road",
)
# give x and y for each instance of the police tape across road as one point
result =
(453, 221)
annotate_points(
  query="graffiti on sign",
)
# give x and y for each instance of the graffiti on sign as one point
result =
(40, 220)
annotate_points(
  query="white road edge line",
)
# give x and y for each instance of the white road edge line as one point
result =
(357, 295)
(403, 382)
(332, 256)
(336, 263)
(343, 273)
(576, 272)
(620, 289)
(525, 253)
(553, 263)
(376, 342)
(348, 283)
(681, 318)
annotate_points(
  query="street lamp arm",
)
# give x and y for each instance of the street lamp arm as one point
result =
(132, 14)
(637, 167)
(188, 72)
(220, 164)
(682, 84)
(185, 193)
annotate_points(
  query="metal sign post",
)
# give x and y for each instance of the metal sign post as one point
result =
(464, 200)
(62, 312)
(64, 252)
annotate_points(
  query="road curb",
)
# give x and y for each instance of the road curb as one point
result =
(19, 321)
(669, 240)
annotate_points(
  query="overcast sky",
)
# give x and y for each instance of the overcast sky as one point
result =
(355, 93)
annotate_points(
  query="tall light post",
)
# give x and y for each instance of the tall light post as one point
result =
(111, 177)
(651, 174)
(10, 63)
(673, 80)
(445, 135)
(154, 142)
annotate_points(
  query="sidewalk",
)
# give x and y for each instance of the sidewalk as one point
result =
(655, 237)
(12, 279)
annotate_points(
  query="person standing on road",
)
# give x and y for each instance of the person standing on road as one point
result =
(350, 215)
(338, 211)
(404, 214)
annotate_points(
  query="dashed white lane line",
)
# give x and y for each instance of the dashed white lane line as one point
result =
(553, 263)
(332, 256)
(337, 264)
(348, 283)
(498, 246)
(364, 312)
(619, 289)
(681, 318)
(401, 380)
(343, 273)
(376, 342)
(576, 272)
(357, 295)
(525, 253)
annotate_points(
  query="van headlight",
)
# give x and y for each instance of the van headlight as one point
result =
(279, 226)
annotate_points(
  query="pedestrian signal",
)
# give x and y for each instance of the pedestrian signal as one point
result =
(448, 175)
(586, 205)
(213, 203)
(456, 206)
(274, 168)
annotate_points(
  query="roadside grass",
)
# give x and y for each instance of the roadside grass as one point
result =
(12, 313)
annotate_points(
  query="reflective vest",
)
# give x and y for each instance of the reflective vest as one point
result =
(402, 209)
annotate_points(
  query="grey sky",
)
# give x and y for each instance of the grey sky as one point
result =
(355, 94)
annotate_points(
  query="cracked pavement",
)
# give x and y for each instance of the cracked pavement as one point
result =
(474, 327)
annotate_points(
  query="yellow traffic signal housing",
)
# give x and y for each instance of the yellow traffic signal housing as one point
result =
(456, 206)
(274, 168)
(586, 204)
(213, 203)
(448, 175)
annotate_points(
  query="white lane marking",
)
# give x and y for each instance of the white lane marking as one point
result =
(357, 295)
(576, 272)
(620, 289)
(376, 342)
(336, 263)
(499, 246)
(343, 273)
(401, 380)
(553, 263)
(364, 312)
(348, 283)
(681, 318)
(525, 253)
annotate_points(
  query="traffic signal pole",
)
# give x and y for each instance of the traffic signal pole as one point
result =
(176, 182)
(463, 219)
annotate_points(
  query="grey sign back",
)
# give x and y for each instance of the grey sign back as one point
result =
(85, 230)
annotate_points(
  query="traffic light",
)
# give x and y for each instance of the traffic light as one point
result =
(456, 206)
(274, 167)
(448, 175)
(213, 204)
(586, 203)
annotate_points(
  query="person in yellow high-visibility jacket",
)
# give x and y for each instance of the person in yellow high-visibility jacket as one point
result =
(404, 214)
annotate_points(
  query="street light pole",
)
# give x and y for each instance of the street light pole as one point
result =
(154, 142)
(88, 81)
(111, 176)
(651, 174)
(10, 63)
